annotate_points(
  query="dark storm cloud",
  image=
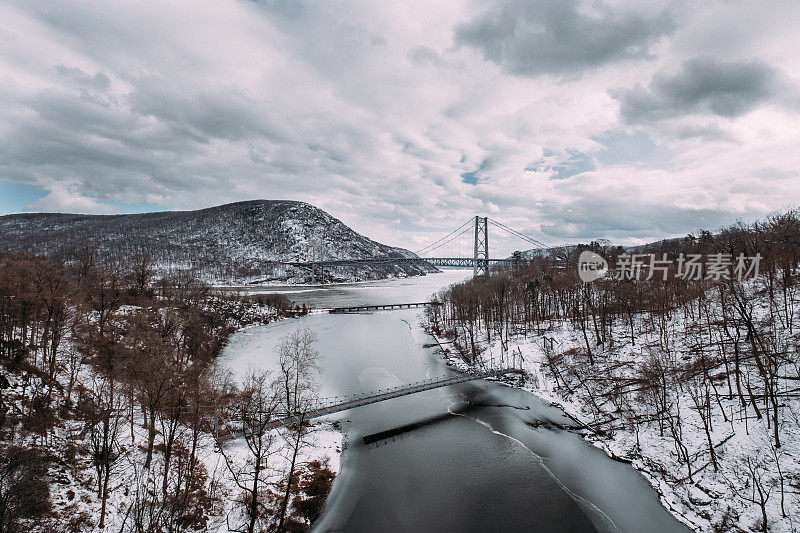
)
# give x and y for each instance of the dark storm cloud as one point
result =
(703, 86)
(369, 110)
(561, 36)
(223, 113)
(587, 218)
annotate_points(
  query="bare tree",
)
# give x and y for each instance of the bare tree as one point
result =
(256, 407)
(24, 491)
(698, 390)
(101, 410)
(751, 482)
(299, 365)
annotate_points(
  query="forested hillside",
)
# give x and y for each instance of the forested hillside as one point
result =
(686, 364)
(235, 243)
(114, 413)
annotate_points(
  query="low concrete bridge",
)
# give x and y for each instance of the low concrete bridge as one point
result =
(358, 308)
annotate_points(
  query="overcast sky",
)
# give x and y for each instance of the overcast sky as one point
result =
(567, 120)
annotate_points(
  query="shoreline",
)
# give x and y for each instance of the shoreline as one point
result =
(313, 287)
(324, 426)
(329, 437)
(590, 436)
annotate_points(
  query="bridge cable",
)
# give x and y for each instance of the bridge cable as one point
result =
(438, 243)
(517, 234)
(433, 244)
(449, 241)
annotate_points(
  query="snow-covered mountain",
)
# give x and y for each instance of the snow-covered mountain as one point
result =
(232, 243)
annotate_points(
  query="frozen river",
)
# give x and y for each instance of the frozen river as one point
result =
(473, 457)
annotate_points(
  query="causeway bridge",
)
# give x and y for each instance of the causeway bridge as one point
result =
(380, 307)
(327, 406)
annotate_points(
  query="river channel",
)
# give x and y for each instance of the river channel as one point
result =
(473, 457)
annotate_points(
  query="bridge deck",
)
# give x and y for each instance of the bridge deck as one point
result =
(337, 405)
(357, 308)
(435, 261)
(388, 394)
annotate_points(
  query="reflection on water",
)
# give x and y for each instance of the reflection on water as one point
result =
(474, 456)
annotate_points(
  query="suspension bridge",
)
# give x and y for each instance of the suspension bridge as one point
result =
(479, 260)
(326, 406)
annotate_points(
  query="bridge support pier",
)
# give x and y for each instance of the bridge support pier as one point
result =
(481, 254)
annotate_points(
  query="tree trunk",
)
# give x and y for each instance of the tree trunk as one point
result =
(285, 502)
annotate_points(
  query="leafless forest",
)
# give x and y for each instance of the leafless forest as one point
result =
(109, 395)
(238, 243)
(697, 363)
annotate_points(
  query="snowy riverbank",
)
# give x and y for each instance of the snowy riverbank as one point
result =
(722, 500)
(71, 475)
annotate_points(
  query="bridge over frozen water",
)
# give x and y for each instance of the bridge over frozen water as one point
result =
(380, 307)
(479, 261)
(327, 406)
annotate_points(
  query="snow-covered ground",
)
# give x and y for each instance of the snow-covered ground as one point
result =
(324, 444)
(73, 479)
(723, 500)
(76, 506)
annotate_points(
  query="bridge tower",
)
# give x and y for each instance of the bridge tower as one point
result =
(481, 255)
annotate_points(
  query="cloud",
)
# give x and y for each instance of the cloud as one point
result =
(704, 85)
(400, 118)
(64, 201)
(625, 204)
(562, 36)
(425, 56)
(632, 148)
(204, 113)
